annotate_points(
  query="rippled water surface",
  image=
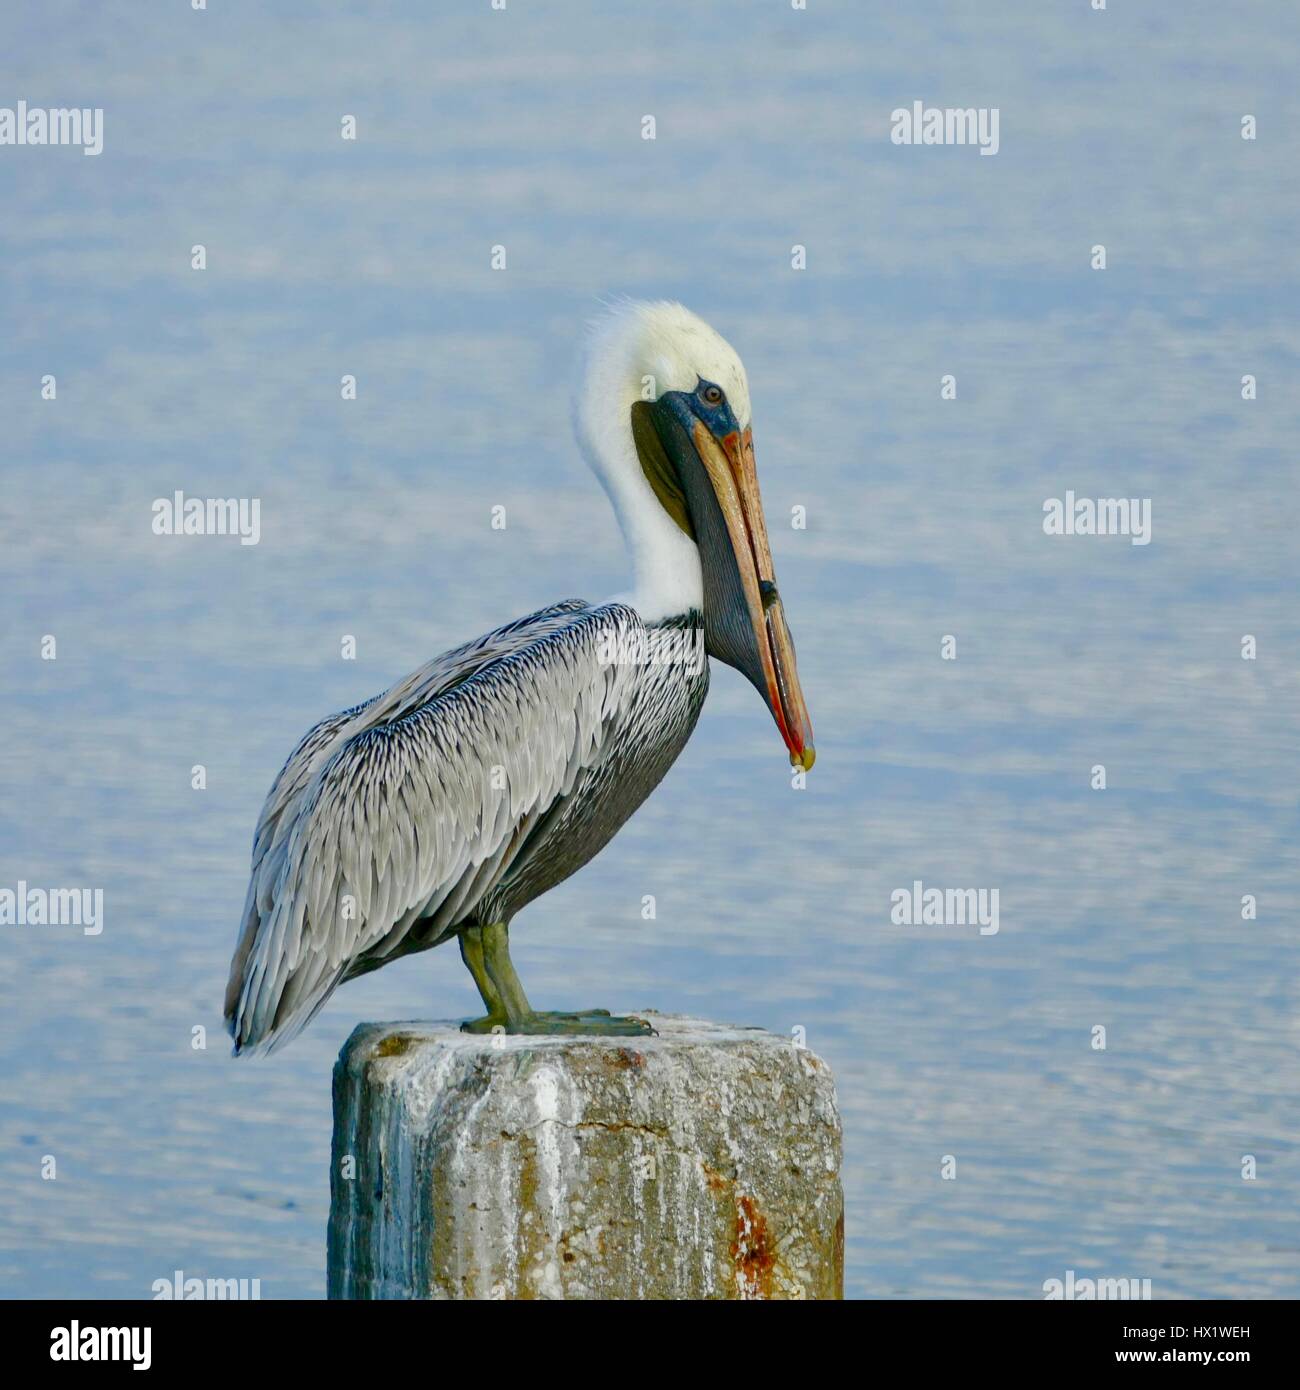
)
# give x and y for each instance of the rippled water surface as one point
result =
(1119, 908)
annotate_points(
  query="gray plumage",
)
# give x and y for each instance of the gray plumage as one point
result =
(452, 800)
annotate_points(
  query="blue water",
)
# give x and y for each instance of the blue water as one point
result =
(1119, 908)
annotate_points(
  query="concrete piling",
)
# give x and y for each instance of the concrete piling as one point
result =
(701, 1163)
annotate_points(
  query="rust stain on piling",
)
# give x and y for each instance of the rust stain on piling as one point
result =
(715, 1180)
(752, 1251)
(624, 1058)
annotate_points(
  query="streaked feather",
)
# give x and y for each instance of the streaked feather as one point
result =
(383, 831)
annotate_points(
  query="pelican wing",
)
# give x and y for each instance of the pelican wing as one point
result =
(411, 806)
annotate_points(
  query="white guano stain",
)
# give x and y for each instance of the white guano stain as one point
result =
(558, 1107)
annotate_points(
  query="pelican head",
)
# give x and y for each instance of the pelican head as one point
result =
(663, 415)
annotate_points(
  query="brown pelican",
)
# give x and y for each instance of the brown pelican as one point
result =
(441, 807)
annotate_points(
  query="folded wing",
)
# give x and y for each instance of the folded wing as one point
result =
(410, 807)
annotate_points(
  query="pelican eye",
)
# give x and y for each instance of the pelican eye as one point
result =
(712, 395)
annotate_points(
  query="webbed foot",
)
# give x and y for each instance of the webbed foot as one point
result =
(486, 951)
(589, 1022)
(599, 1022)
(485, 1024)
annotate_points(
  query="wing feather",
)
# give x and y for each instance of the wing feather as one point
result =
(411, 806)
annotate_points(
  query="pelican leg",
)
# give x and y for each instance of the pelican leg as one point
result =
(486, 951)
(471, 952)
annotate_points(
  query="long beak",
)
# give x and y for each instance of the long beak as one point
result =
(751, 632)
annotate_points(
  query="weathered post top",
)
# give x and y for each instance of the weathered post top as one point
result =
(701, 1163)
